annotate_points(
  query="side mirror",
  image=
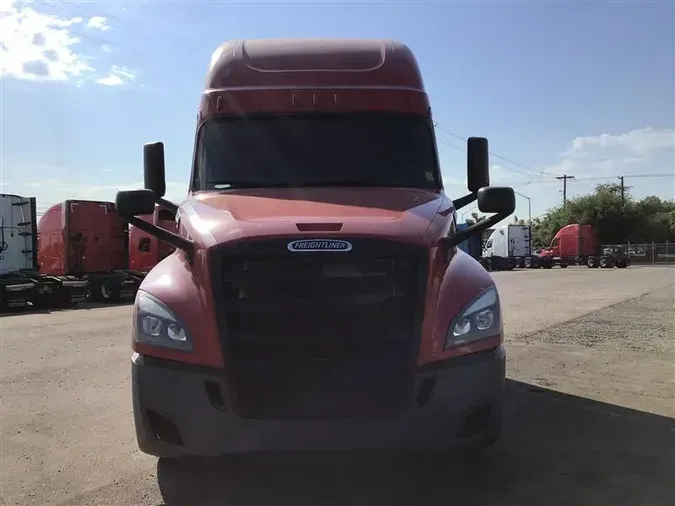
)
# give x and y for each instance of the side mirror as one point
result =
(153, 168)
(499, 200)
(477, 163)
(496, 199)
(131, 203)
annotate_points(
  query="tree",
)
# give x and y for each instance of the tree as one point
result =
(518, 221)
(615, 220)
(475, 218)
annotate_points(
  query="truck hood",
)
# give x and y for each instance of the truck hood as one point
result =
(404, 214)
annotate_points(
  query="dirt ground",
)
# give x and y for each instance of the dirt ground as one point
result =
(590, 417)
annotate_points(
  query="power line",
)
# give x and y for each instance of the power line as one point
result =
(523, 169)
(600, 178)
(542, 172)
(626, 176)
(496, 155)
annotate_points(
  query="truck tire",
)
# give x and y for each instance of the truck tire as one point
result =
(605, 263)
(107, 289)
(528, 262)
(591, 262)
(174, 473)
(563, 266)
(620, 263)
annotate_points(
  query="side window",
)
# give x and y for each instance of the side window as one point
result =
(165, 215)
(144, 244)
(489, 244)
(555, 242)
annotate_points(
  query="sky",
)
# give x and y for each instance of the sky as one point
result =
(579, 88)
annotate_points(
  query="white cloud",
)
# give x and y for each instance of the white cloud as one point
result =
(640, 142)
(117, 76)
(610, 154)
(37, 46)
(98, 23)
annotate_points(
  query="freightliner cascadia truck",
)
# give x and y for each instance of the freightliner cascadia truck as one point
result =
(316, 299)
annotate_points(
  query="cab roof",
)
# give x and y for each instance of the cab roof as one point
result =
(313, 62)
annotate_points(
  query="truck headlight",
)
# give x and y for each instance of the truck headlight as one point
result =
(480, 319)
(157, 325)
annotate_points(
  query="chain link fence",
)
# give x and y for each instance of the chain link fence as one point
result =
(647, 254)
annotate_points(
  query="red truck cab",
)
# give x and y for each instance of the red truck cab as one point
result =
(572, 241)
(87, 240)
(317, 299)
(578, 244)
(145, 250)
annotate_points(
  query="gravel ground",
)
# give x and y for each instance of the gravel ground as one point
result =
(589, 418)
(636, 324)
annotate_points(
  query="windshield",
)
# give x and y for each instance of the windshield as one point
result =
(317, 150)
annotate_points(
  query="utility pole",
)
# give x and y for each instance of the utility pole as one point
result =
(564, 178)
(529, 217)
(623, 191)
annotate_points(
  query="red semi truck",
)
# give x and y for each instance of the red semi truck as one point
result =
(145, 250)
(317, 298)
(88, 240)
(577, 244)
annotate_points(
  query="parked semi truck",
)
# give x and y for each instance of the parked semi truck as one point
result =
(146, 250)
(577, 244)
(507, 247)
(317, 298)
(21, 285)
(472, 245)
(88, 240)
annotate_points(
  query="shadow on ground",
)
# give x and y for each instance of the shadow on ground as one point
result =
(555, 449)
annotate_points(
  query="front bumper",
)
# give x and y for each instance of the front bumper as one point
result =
(179, 411)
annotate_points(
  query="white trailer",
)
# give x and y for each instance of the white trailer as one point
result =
(18, 251)
(507, 247)
(21, 284)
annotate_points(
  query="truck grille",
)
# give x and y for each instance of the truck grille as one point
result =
(322, 335)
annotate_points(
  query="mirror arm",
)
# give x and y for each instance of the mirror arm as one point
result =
(168, 205)
(176, 240)
(465, 200)
(461, 235)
